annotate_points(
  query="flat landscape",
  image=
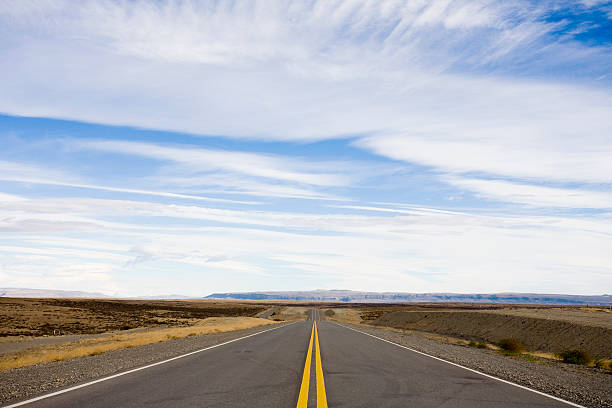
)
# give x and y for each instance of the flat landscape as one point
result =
(51, 344)
(38, 317)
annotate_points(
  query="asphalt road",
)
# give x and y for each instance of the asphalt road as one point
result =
(267, 370)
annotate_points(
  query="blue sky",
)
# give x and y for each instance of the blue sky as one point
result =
(192, 147)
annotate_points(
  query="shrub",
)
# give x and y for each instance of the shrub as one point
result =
(511, 345)
(575, 357)
(605, 364)
(472, 343)
(481, 346)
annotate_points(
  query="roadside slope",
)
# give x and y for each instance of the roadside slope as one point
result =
(546, 335)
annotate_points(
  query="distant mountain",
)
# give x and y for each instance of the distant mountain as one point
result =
(47, 293)
(390, 297)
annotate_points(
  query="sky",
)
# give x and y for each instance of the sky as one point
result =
(191, 147)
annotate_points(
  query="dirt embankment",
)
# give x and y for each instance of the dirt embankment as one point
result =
(537, 334)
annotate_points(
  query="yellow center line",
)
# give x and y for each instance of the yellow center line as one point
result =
(303, 397)
(321, 397)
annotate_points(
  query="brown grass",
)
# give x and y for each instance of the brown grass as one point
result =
(291, 313)
(52, 317)
(344, 315)
(89, 347)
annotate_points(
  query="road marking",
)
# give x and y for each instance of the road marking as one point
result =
(76, 387)
(465, 368)
(321, 397)
(303, 397)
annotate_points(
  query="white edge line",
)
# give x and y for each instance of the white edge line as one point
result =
(465, 368)
(76, 387)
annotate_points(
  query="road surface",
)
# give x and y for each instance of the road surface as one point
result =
(314, 363)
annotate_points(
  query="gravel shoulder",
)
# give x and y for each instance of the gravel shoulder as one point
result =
(26, 382)
(586, 386)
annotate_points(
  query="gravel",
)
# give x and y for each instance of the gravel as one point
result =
(24, 382)
(590, 387)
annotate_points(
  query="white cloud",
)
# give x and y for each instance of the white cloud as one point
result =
(419, 249)
(307, 71)
(11, 170)
(16, 172)
(9, 198)
(234, 184)
(539, 196)
(508, 129)
(201, 160)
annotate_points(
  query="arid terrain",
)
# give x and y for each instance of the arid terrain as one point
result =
(34, 331)
(38, 317)
(542, 330)
(49, 343)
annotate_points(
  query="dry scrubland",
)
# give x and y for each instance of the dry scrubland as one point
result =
(93, 346)
(290, 313)
(39, 317)
(43, 330)
(543, 331)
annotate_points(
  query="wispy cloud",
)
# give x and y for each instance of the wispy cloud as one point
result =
(198, 160)
(346, 249)
(534, 195)
(37, 175)
(311, 71)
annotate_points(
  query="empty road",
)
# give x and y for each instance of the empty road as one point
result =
(314, 363)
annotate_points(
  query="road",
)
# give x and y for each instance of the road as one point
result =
(345, 368)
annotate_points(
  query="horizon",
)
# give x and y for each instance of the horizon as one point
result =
(442, 147)
(267, 292)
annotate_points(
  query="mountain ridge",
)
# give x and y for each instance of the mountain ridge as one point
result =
(349, 296)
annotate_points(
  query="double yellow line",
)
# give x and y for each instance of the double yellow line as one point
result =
(321, 397)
